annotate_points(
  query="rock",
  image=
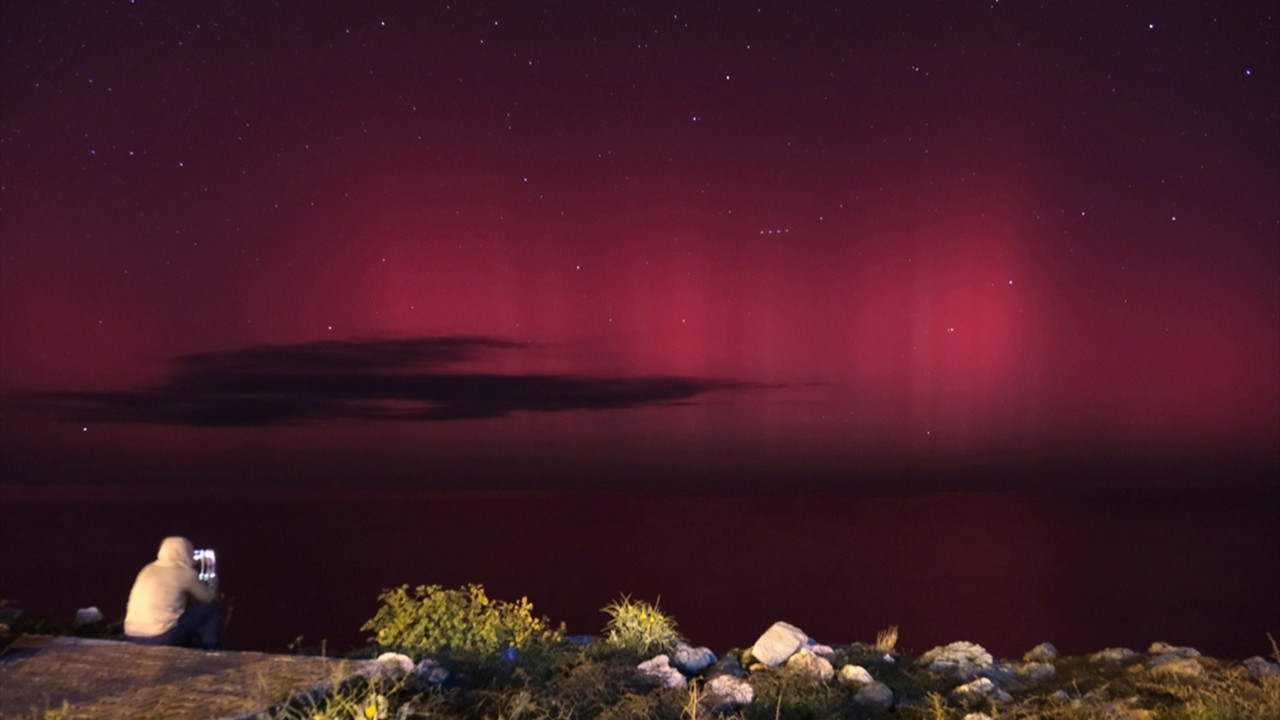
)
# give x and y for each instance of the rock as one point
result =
(1113, 656)
(855, 675)
(1174, 666)
(1042, 653)
(812, 666)
(1160, 648)
(10, 617)
(432, 671)
(88, 616)
(1036, 671)
(977, 716)
(1260, 667)
(1093, 705)
(963, 660)
(981, 688)
(691, 660)
(389, 666)
(1001, 672)
(1173, 661)
(396, 660)
(727, 665)
(825, 651)
(730, 691)
(778, 643)
(660, 671)
(874, 695)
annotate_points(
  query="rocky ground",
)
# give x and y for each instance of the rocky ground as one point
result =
(783, 675)
(786, 674)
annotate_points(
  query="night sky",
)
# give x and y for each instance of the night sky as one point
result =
(621, 245)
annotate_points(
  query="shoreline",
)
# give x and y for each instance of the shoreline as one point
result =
(59, 676)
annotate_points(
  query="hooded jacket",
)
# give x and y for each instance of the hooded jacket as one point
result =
(160, 593)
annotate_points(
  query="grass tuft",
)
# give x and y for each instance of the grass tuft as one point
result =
(637, 625)
(887, 639)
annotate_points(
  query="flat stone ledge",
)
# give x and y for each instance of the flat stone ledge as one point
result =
(110, 680)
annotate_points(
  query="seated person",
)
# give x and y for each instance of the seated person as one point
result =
(159, 612)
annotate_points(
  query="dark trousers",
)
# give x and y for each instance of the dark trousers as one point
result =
(199, 626)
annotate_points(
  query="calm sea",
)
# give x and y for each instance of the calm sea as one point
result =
(1084, 570)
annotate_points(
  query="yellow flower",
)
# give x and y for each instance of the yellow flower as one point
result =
(375, 708)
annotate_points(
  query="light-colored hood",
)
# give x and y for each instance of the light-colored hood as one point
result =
(176, 551)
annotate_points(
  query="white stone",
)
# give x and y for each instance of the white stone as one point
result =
(1044, 652)
(812, 666)
(962, 659)
(1259, 667)
(390, 665)
(395, 660)
(1036, 671)
(660, 671)
(1174, 666)
(825, 651)
(982, 687)
(88, 616)
(1113, 656)
(855, 675)
(1002, 671)
(977, 716)
(691, 660)
(1163, 648)
(778, 643)
(730, 691)
(875, 695)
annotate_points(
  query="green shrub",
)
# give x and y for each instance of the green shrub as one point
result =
(637, 625)
(434, 620)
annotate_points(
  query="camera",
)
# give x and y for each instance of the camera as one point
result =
(206, 565)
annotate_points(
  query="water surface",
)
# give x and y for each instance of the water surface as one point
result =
(1006, 569)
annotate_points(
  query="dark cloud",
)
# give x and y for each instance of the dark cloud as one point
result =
(371, 379)
(356, 355)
